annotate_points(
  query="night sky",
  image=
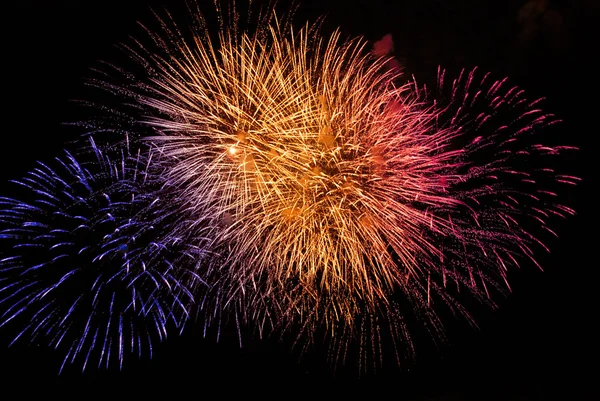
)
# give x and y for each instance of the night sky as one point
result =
(541, 344)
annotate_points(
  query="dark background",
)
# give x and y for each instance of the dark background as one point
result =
(540, 345)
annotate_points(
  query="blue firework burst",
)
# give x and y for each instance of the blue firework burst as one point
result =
(89, 264)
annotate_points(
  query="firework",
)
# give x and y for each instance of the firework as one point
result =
(295, 182)
(336, 196)
(85, 264)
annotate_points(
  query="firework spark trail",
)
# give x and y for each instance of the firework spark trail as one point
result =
(85, 264)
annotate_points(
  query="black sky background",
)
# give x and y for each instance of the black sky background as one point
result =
(540, 345)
